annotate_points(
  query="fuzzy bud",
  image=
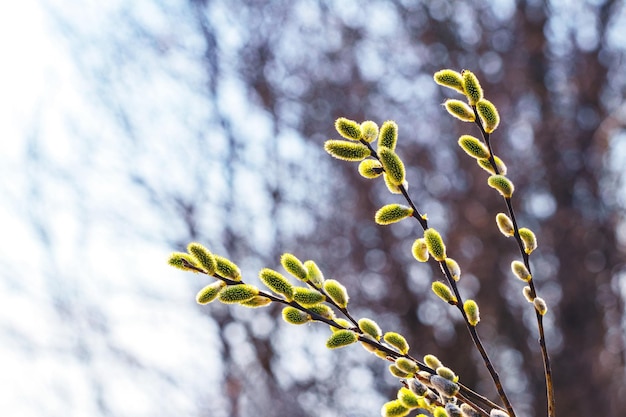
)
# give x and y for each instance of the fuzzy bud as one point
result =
(183, 261)
(417, 387)
(349, 129)
(460, 110)
(444, 385)
(407, 365)
(468, 411)
(336, 292)
(369, 131)
(471, 311)
(255, 302)
(486, 165)
(313, 274)
(397, 372)
(528, 294)
(397, 341)
(540, 305)
(322, 310)
(346, 151)
(370, 168)
(307, 297)
(392, 213)
(393, 165)
(451, 79)
(370, 328)
(227, 269)
(432, 361)
(454, 268)
(203, 256)
(505, 224)
(528, 239)
(277, 283)
(293, 266)
(473, 147)
(408, 398)
(471, 87)
(440, 412)
(420, 250)
(341, 322)
(393, 188)
(502, 184)
(488, 115)
(388, 136)
(498, 413)
(444, 292)
(394, 409)
(453, 410)
(447, 373)
(294, 316)
(210, 292)
(520, 271)
(341, 338)
(234, 294)
(435, 244)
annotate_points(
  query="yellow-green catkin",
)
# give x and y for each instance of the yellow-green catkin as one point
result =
(440, 412)
(341, 322)
(505, 224)
(226, 268)
(183, 261)
(370, 168)
(451, 79)
(520, 271)
(210, 292)
(277, 283)
(471, 311)
(307, 297)
(460, 110)
(388, 136)
(392, 213)
(471, 87)
(393, 165)
(420, 250)
(407, 365)
(501, 184)
(349, 129)
(203, 256)
(294, 316)
(397, 341)
(393, 188)
(394, 409)
(313, 274)
(369, 131)
(473, 147)
(293, 265)
(341, 338)
(540, 305)
(257, 301)
(336, 292)
(454, 268)
(397, 372)
(488, 115)
(528, 239)
(486, 165)
(238, 293)
(346, 151)
(322, 310)
(370, 328)
(447, 373)
(444, 292)
(432, 361)
(528, 294)
(435, 244)
(408, 398)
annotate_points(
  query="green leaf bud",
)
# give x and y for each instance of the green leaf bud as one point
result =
(203, 257)
(209, 293)
(392, 213)
(505, 224)
(277, 283)
(528, 239)
(313, 274)
(420, 250)
(453, 410)
(293, 266)
(444, 292)
(498, 413)
(393, 188)
(294, 316)
(528, 294)
(460, 110)
(226, 268)
(394, 409)
(502, 184)
(370, 168)
(258, 301)
(435, 244)
(388, 136)
(471, 311)
(440, 412)
(468, 411)
(342, 322)
(394, 167)
(447, 373)
(349, 129)
(473, 147)
(454, 268)
(307, 297)
(322, 310)
(346, 151)
(407, 365)
(369, 131)
(183, 261)
(397, 341)
(451, 79)
(486, 165)
(540, 305)
(488, 115)
(336, 292)
(520, 271)
(234, 294)
(397, 372)
(370, 328)
(432, 361)
(341, 338)
(444, 385)
(408, 398)
(471, 87)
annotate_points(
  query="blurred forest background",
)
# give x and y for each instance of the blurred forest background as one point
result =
(132, 128)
